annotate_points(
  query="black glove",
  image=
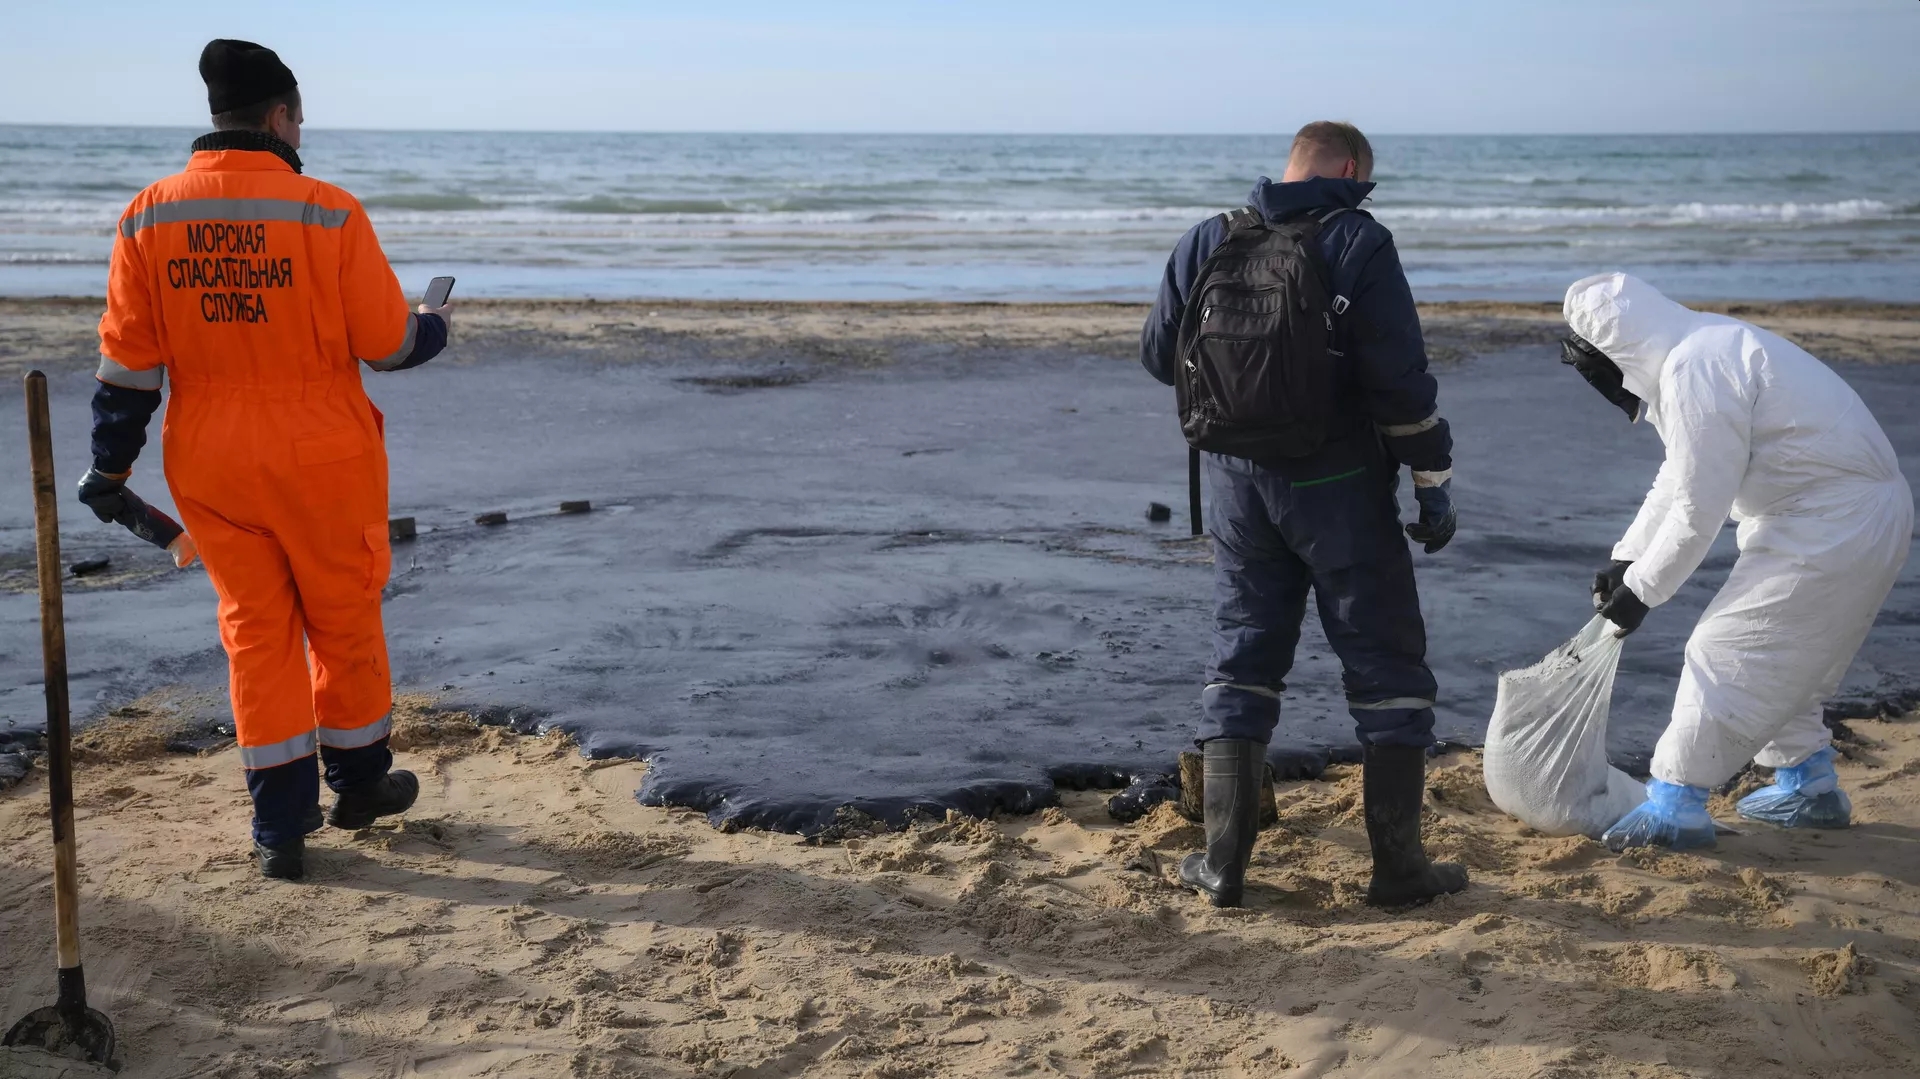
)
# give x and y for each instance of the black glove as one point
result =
(1608, 579)
(105, 495)
(1437, 517)
(1615, 601)
(1625, 611)
(108, 498)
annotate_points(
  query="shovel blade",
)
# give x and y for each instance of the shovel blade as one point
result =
(87, 1035)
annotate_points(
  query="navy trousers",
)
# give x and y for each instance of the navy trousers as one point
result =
(286, 796)
(1339, 538)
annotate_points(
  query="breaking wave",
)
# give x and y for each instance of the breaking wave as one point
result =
(426, 202)
(610, 204)
(1684, 213)
(665, 211)
(50, 258)
(704, 212)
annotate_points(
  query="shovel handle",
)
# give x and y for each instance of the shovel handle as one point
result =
(53, 650)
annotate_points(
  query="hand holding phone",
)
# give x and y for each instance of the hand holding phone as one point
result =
(438, 290)
(435, 302)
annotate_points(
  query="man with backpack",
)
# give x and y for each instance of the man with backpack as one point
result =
(1290, 334)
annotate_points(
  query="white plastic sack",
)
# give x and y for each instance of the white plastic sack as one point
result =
(1546, 755)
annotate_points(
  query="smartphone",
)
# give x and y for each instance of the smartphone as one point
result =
(438, 290)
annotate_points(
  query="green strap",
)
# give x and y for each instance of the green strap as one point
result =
(1331, 479)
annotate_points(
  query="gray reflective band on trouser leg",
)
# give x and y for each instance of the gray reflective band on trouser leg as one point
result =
(400, 354)
(279, 753)
(1390, 704)
(127, 377)
(355, 737)
(168, 213)
(1402, 430)
(1264, 691)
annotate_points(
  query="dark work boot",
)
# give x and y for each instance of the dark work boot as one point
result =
(1231, 800)
(286, 808)
(1393, 782)
(284, 861)
(288, 860)
(359, 806)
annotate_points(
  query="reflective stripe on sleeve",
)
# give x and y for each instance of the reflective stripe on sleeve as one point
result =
(400, 354)
(355, 737)
(1431, 479)
(127, 378)
(1390, 704)
(167, 213)
(279, 753)
(1402, 430)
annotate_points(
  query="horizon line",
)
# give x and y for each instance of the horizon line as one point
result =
(992, 134)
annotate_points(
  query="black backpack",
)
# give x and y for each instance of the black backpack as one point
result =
(1256, 375)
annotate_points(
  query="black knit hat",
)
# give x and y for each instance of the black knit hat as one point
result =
(240, 73)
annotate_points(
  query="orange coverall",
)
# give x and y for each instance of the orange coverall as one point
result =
(257, 289)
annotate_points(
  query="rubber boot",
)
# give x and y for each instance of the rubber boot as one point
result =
(286, 861)
(1231, 802)
(359, 806)
(1393, 784)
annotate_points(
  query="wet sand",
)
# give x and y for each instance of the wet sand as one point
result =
(527, 918)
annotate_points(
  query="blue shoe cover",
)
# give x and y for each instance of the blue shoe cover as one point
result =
(1672, 816)
(1807, 795)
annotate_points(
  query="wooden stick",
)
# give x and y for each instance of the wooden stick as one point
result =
(53, 650)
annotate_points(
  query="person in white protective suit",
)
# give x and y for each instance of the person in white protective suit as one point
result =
(1757, 429)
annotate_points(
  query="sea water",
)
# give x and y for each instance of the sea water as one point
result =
(993, 217)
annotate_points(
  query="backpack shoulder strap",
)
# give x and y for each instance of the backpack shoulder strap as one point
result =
(1245, 217)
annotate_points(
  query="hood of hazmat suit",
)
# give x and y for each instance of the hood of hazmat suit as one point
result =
(1756, 430)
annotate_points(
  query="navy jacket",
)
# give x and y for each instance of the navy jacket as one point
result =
(1389, 398)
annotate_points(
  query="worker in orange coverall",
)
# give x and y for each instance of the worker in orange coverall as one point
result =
(258, 291)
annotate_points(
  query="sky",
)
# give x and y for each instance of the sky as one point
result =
(1055, 66)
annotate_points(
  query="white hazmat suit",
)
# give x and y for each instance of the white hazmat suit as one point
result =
(1756, 429)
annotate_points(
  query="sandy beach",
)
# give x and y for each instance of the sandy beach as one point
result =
(530, 918)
